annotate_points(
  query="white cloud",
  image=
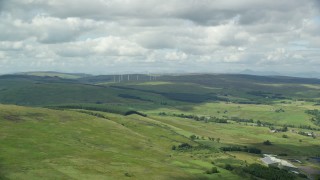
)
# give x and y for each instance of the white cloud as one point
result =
(2, 56)
(55, 30)
(12, 45)
(45, 29)
(57, 34)
(176, 56)
(106, 46)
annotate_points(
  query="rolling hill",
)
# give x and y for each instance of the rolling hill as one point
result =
(199, 126)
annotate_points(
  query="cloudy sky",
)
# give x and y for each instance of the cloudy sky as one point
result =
(110, 36)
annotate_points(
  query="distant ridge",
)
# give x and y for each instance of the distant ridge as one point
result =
(311, 74)
(55, 74)
(260, 73)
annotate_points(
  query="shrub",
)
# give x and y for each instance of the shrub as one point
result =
(228, 167)
(193, 137)
(284, 129)
(162, 114)
(128, 174)
(184, 146)
(282, 154)
(267, 142)
(252, 150)
(213, 170)
(285, 136)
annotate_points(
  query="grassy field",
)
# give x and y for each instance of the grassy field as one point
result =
(235, 134)
(294, 113)
(39, 143)
(94, 128)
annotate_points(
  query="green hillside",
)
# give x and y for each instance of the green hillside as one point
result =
(168, 127)
(39, 143)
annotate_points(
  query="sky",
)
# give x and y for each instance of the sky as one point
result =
(135, 36)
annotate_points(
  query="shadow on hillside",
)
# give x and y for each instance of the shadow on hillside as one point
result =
(242, 89)
(297, 149)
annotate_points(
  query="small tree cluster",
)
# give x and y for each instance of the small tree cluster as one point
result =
(183, 146)
(193, 137)
(285, 136)
(213, 170)
(267, 142)
(252, 150)
(228, 167)
(279, 110)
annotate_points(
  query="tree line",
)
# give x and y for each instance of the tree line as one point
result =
(205, 119)
(316, 116)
